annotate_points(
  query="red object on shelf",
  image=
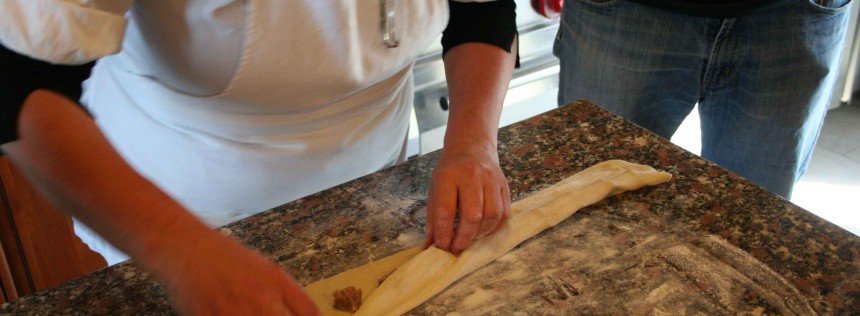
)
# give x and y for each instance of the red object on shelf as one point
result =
(548, 8)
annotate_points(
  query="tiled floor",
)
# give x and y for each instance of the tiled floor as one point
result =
(831, 186)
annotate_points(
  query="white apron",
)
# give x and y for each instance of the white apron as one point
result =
(235, 107)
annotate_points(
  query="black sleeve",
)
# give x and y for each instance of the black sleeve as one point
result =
(493, 23)
(21, 75)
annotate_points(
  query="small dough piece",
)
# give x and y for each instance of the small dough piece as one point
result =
(432, 270)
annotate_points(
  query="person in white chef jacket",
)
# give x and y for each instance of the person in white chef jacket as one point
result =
(203, 112)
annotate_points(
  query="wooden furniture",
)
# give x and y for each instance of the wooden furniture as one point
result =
(38, 249)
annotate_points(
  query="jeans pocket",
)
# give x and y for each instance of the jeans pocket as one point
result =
(829, 6)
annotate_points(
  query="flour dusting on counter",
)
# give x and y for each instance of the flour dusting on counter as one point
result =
(573, 267)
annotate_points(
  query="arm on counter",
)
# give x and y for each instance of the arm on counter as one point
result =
(479, 52)
(64, 155)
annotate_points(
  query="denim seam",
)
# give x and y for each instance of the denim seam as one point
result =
(603, 4)
(712, 69)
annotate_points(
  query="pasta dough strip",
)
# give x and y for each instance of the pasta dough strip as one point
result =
(432, 270)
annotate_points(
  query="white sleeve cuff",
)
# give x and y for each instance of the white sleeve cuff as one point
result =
(61, 32)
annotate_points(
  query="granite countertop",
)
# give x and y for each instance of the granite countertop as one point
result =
(707, 242)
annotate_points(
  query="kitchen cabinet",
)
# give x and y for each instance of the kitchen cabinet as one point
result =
(38, 248)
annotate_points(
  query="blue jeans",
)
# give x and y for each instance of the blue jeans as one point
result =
(762, 81)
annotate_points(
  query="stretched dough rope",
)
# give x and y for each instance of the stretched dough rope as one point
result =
(432, 270)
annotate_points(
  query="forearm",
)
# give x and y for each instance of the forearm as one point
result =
(63, 154)
(478, 75)
(468, 182)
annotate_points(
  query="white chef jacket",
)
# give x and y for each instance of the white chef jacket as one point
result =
(233, 107)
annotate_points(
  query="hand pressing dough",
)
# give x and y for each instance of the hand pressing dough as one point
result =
(426, 273)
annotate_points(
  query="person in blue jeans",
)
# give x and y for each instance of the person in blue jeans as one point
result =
(761, 71)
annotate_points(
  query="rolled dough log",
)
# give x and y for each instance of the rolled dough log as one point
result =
(432, 270)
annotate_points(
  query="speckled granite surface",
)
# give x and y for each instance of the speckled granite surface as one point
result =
(667, 248)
